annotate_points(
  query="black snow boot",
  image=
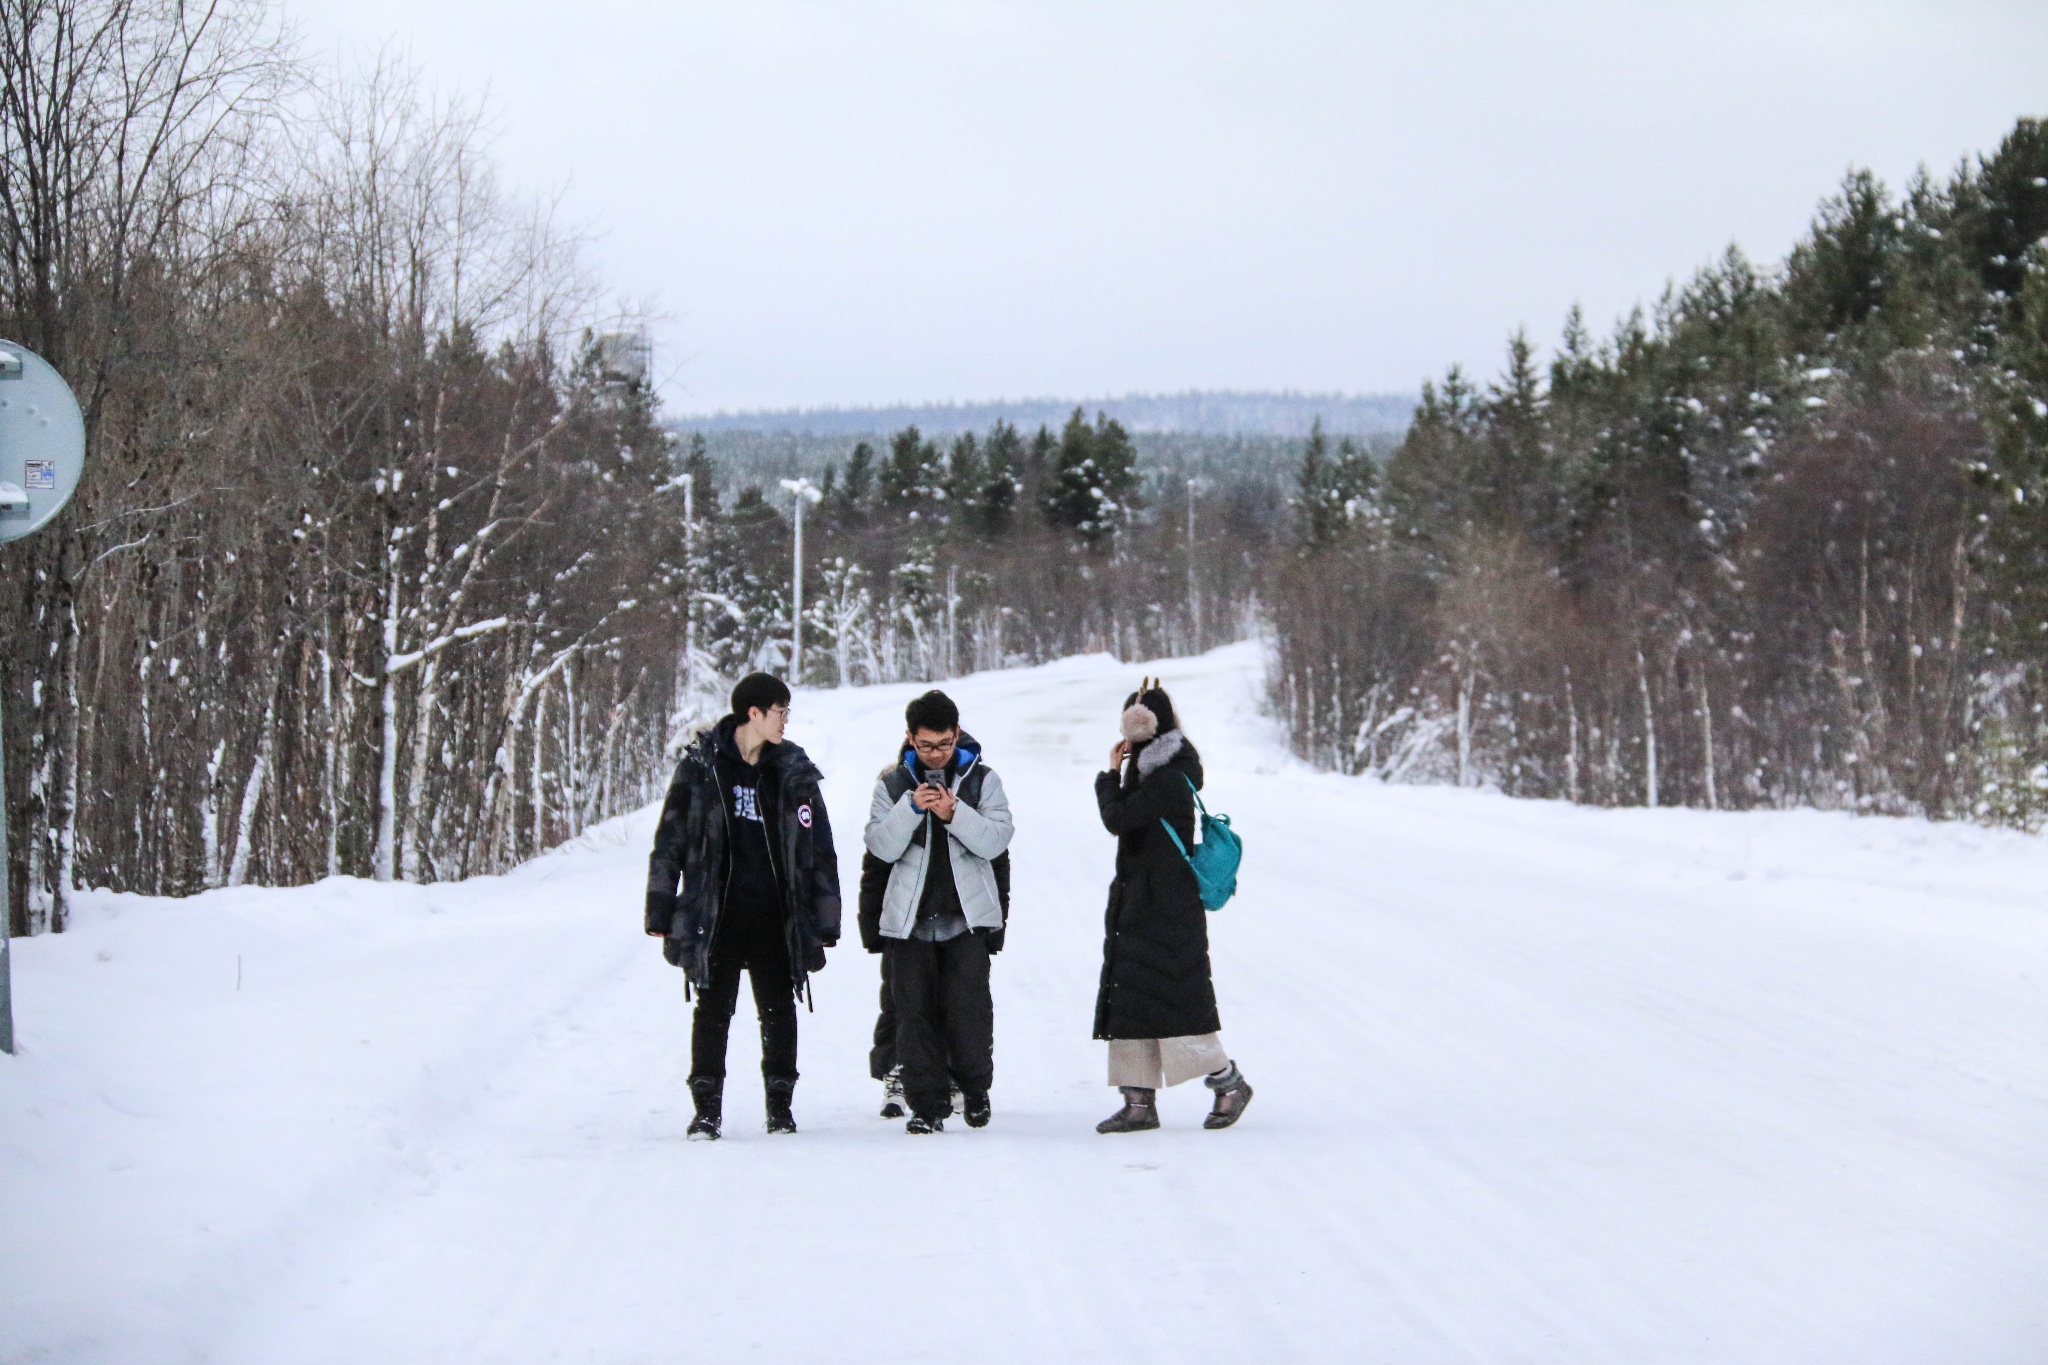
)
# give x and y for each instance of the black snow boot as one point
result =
(780, 1088)
(1137, 1115)
(920, 1124)
(1233, 1093)
(975, 1106)
(708, 1092)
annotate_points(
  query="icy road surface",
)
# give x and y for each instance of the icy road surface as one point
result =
(1535, 1084)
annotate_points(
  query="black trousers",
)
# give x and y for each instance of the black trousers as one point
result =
(882, 1056)
(749, 941)
(945, 1020)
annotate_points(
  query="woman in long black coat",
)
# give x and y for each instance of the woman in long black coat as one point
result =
(1156, 1006)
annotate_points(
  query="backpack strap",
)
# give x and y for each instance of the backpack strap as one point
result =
(1173, 833)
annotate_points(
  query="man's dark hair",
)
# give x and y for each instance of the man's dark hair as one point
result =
(932, 711)
(763, 690)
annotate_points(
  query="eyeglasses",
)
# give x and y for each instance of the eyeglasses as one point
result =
(933, 750)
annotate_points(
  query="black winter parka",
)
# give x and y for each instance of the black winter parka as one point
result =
(1155, 947)
(690, 848)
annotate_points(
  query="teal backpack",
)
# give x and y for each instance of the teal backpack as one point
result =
(1215, 858)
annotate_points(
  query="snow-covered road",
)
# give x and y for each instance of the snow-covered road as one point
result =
(1535, 1084)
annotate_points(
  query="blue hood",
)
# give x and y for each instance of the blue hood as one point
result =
(965, 755)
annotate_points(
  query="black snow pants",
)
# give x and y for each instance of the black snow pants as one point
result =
(751, 941)
(945, 1020)
(882, 1056)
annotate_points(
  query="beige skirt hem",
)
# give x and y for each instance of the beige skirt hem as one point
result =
(1149, 1063)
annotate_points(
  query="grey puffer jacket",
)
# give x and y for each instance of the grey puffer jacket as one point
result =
(900, 834)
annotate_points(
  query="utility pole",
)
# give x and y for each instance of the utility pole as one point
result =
(952, 624)
(1196, 483)
(801, 491)
(689, 582)
(42, 443)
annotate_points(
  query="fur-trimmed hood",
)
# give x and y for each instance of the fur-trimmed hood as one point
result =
(1172, 750)
(1160, 752)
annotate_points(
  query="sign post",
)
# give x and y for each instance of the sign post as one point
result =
(42, 453)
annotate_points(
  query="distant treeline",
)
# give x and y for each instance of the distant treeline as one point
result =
(1164, 458)
(928, 558)
(1783, 541)
(1195, 413)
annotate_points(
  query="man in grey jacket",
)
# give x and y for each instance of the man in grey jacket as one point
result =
(939, 913)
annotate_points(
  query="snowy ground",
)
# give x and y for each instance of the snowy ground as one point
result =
(1535, 1084)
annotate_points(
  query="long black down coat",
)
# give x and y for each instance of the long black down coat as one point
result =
(686, 873)
(1155, 947)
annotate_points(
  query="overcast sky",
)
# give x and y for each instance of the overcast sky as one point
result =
(836, 202)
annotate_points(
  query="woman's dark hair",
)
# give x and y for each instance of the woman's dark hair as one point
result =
(1155, 700)
(763, 690)
(932, 711)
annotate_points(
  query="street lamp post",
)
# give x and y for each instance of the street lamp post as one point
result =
(801, 491)
(42, 451)
(689, 584)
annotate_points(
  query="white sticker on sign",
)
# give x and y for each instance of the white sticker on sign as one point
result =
(39, 474)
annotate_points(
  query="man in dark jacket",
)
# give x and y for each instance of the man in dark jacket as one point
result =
(940, 819)
(744, 832)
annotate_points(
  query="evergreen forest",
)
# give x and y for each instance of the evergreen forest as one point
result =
(1782, 540)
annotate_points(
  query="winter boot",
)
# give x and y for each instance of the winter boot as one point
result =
(780, 1120)
(958, 1105)
(1233, 1093)
(920, 1124)
(976, 1108)
(1137, 1115)
(708, 1092)
(892, 1094)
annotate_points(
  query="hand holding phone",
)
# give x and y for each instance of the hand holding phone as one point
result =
(933, 795)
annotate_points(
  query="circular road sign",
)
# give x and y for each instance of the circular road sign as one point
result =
(42, 442)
